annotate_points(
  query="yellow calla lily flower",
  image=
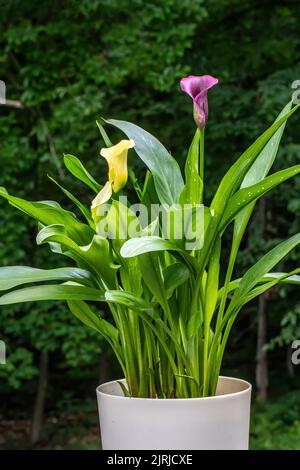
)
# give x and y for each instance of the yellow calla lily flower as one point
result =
(116, 157)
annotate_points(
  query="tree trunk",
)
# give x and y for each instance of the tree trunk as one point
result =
(39, 406)
(262, 379)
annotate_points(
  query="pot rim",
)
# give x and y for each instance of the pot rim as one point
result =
(247, 389)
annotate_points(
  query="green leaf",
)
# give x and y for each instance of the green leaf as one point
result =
(262, 165)
(164, 168)
(152, 276)
(127, 299)
(13, 276)
(185, 225)
(267, 262)
(191, 193)
(238, 170)
(284, 278)
(124, 389)
(51, 292)
(117, 222)
(50, 212)
(95, 256)
(131, 276)
(232, 180)
(149, 195)
(257, 172)
(83, 312)
(135, 183)
(86, 212)
(260, 289)
(294, 279)
(212, 285)
(245, 196)
(139, 245)
(174, 276)
(104, 135)
(76, 168)
(194, 322)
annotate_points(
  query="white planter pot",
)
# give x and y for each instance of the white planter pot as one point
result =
(219, 422)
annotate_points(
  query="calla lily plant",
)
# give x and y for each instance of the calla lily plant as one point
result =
(172, 303)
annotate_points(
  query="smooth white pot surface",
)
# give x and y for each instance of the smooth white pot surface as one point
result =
(220, 422)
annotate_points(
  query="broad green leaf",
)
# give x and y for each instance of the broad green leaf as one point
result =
(50, 212)
(76, 168)
(138, 246)
(96, 256)
(86, 212)
(13, 276)
(247, 195)
(164, 168)
(51, 292)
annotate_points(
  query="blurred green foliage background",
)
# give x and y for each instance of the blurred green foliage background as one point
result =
(68, 63)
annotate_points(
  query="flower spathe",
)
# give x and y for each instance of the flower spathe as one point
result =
(102, 197)
(116, 157)
(197, 86)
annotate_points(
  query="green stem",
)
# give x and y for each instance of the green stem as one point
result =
(150, 355)
(202, 162)
(129, 355)
(232, 258)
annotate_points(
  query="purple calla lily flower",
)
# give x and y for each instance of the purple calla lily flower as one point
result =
(197, 86)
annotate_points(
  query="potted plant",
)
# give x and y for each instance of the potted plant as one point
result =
(157, 264)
